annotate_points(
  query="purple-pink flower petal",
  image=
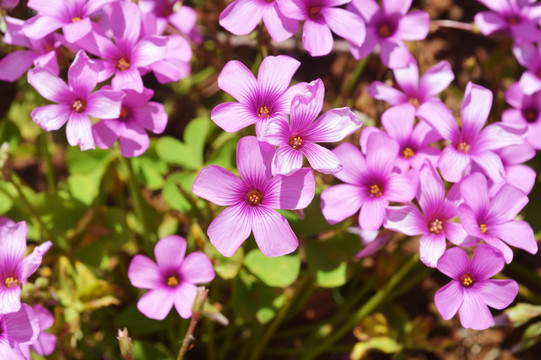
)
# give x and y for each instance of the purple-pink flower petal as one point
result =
(272, 232)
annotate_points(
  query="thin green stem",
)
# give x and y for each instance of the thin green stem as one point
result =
(366, 309)
(201, 299)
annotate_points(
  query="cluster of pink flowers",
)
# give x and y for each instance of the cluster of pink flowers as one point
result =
(22, 327)
(126, 41)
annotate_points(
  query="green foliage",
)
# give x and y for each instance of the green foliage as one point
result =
(279, 271)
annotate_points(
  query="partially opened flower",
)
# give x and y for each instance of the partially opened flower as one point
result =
(171, 279)
(17, 329)
(492, 220)
(137, 115)
(15, 269)
(320, 17)
(300, 135)
(259, 100)
(388, 26)
(472, 290)
(526, 112)
(45, 342)
(242, 16)
(76, 101)
(252, 199)
(370, 183)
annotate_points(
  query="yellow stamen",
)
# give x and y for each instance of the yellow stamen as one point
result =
(483, 228)
(295, 142)
(436, 226)
(463, 147)
(466, 280)
(408, 153)
(313, 11)
(75, 19)
(255, 198)
(79, 105)
(123, 113)
(11, 282)
(376, 190)
(122, 64)
(263, 112)
(172, 281)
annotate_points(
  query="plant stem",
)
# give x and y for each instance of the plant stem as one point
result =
(366, 309)
(453, 25)
(201, 299)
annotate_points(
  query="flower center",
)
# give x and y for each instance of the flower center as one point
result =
(483, 228)
(122, 64)
(123, 113)
(463, 147)
(49, 47)
(255, 198)
(172, 281)
(530, 115)
(11, 282)
(75, 19)
(263, 112)
(79, 105)
(414, 101)
(436, 226)
(376, 190)
(513, 19)
(295, 142)
(313, 12)
(408, 153)
(384, 30)
(466, 280)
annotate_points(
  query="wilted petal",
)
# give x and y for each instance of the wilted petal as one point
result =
(448, 299)
(229, 229)
(272, 232)
(156, 303)
(197, 268)
(497, 294)
(169, 252)
(144, 273)
(218, 185)
(339, 202)
(474, 313)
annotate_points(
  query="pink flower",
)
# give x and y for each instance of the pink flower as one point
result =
(45, 342)
(471, 291)
(75, 102)
(252, 199)
(526, 112)
(72, 16)
(529, 56)
(472, 143)
(17, 329)
(259, 100)
(171, 279)
(299, 136)
(320, 17)
(242, 16)
(493, 220)
(14, 269)
(136, 115)
(388, 26)
(370, 183)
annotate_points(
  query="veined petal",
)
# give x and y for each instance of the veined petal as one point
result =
(306, 106)
(455, 232)
(50, 86)
(276, 133)
(233, 116)
(286, 160)
(475, 109)
(169, 252)
(333, 126)
(52, 7)
(398, 121)
(381, 91)
(399, 188)
(144, 273)
(506, 204)
(407, 78)
(82, 75)
(339, 202)
(152, 117)
(405, 219)
(381, 153)
(10, 300)
(75, 31)
(454, 263)
(292, 192)
(185, 294)
(156, 303)
(373, 214)
(125, 22)
(238, 81)
(128, 79)
(272, 232)
(432, 190)
(517, 233)
(31, 263)
(321, 159)
(396, 6)
(394, 53)
(346, 24)
(79, 131)
(284, 101)
(440, 118)
(22, 326)
(105, 104)
(218, 185)
(491, 163)
(498, 294)
(133, 140)
(197, 268)
(436, 79)
(449, 299)
(431, 248)
(51, 117)
(317, 38)
(278, 25)
(501, 246)
(39, 26)
(275, 74)
(353, 163)
(148, 51)
(489, 22)
(453, 163)
(500, 135)
(474, 313)
(486, 262)
(229, 229)
(413, 26)
(254, 160)
(242, 16)
(15, 64)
